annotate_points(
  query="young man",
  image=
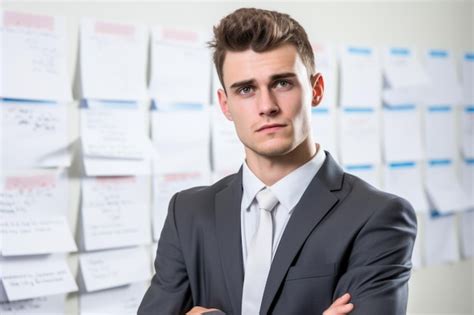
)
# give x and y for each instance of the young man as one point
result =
(290, 232)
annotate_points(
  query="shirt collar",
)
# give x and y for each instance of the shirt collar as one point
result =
(289, 189)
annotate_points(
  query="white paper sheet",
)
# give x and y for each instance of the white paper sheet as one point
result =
(467, 132)
(323, 126)
(117, 167)
(115, 211)
(113, 130)
(117, 301)
(406, 80)
(467, 74)
(32, 235)
(113, 60)
(35, 276)
(444, 188)
(359, 136)
(367, 172)
(45, 305)
(227, 150)
(188, 78)
(326, 64)
(181, 137)
(402, 69)
(164, 187)
(466, 227)
(40, 193)
(402, 133)
(405, 180)
(113, 268)
(34, 52)
(440, 240)
(445, 87)
(361, 78)
(34, 134)
(440, 132)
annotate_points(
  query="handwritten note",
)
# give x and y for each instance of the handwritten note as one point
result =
(32, 277)
(121, 300)
(113, 60)
(191, 64)
(34, 134)
(113, 268)
(32, 235)
(34, 52)
(115, 211)
(53, 304)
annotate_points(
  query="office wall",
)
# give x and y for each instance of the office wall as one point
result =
(446, 289)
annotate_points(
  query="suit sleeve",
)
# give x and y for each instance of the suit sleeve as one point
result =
(379, 265)
(169, 292)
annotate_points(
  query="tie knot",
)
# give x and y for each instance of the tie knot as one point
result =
(266, 199)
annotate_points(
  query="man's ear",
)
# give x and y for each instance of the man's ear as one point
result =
(317, 86)
(222, 96)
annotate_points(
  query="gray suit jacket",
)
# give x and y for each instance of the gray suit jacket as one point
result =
(343, 236)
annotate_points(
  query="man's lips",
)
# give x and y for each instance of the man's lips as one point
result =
(270, 127)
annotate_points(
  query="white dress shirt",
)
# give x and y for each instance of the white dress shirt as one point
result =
(288, 190)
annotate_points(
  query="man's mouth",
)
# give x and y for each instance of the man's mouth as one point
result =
(270, 127)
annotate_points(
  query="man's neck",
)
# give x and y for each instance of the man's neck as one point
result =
(271, 169)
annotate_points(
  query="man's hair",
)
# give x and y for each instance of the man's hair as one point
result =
(260, 30)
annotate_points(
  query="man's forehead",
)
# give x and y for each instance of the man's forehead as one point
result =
(248, 64)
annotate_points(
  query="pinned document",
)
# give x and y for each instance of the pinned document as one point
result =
(34, 54)
(445, 87)
(440, 132)
(114, 140)
(359, 136)
(115, 211)
(444, 188)
(113, 268)
(361, 77)
(467, 132)
(113, 59)
(34, 134)
(188, 147)
(405, 180)
(32, 277)
(406, 79)
(402, 133)
(121, 300)
(188, 78)
(52, 304)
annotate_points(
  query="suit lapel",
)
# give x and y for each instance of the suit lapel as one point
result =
(310, 210)
(227, 211)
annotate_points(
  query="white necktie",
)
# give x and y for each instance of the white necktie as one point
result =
(259, 257)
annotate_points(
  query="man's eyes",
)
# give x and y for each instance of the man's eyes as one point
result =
(279, 84)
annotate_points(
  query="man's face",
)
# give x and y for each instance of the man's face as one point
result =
(269, 98)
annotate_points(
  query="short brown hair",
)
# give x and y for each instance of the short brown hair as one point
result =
(260, 30)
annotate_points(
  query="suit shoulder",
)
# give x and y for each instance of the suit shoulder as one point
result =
(200, 196)
(373, 197)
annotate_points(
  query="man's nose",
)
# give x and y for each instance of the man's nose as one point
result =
(267, 103)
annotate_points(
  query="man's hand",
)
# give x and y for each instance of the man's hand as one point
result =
(341, 306)
(198, 310)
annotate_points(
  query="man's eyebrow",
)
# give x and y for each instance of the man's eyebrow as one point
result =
(242, 83)
(272, 78)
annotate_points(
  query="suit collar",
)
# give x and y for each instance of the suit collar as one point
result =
(227, 214)
(316, 202)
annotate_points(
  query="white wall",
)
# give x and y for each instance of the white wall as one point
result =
(446, 289)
